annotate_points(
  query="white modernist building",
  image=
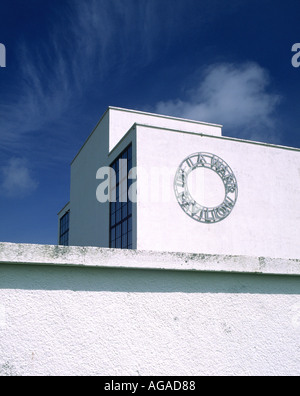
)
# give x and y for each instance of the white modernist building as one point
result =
(203, 274)
(180, 186)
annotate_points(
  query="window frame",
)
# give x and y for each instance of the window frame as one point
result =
(64, 229)
(120, 213)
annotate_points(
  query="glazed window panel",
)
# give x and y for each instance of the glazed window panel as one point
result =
(121, 210)
(64, 230)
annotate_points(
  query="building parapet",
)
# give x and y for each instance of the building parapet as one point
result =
(48, 255)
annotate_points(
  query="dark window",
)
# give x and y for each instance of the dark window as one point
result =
(121, 211)
(64, 230)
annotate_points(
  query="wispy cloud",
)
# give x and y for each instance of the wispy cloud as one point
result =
(237, 96)
(16, 180)
(94, 40)
(86, 43)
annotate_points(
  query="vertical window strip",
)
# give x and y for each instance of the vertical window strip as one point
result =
(120, 233)
(64, 230)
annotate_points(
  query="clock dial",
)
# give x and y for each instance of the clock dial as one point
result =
(197, 210)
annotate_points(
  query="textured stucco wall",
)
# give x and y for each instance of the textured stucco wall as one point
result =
(265, 220)
(91, 311)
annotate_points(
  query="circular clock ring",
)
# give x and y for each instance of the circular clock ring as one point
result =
(195, 210)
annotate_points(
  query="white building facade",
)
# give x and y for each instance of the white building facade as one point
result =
(180, 186)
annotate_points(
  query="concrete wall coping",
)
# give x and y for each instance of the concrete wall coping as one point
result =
(48, 255)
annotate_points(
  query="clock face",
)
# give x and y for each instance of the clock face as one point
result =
(197, 210)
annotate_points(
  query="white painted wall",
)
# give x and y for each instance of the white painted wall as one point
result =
(89, 221)
(91, 311)
(121, 120)
(265, 220)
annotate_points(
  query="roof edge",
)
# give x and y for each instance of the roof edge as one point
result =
(64, 208)
(165, 116)
(220, 137)
(90, 135)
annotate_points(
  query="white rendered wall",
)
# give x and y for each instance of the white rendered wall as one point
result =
(89, 218)
(90, 311)
(121, 120)
(89, 221)
(265, 220)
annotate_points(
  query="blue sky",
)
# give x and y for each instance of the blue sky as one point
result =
(217, 61)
